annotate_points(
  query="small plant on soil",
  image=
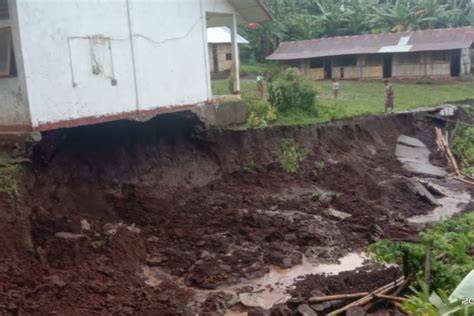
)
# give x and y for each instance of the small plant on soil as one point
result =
(318, 167)
(250, 166)
(315, 196)
(255, 120)
(291, 155)
(9, 175)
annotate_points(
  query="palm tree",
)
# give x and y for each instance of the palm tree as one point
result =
(403, 15)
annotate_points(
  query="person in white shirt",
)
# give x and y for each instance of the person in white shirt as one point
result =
(335, 87)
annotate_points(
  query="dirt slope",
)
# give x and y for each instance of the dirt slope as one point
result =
(209, 207)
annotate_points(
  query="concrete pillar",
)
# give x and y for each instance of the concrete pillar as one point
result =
(235, 56)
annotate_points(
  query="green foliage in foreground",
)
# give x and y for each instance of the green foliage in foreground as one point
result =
(434, 304)
(452, 251)
(463, 149)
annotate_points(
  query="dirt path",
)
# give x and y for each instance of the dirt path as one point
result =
(204, 209)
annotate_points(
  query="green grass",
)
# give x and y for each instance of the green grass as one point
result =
(356, 98)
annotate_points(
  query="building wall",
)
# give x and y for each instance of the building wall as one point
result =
(423, 64)
(87, 60)
(466, 61)
(14, 112)
(222, 50)
(313, 73)
(436, 64)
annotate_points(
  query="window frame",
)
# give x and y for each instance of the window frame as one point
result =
(345, 61)
(228, 56)
(9, 51)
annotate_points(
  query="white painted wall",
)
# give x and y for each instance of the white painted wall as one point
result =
(168, 54)
(14, 112)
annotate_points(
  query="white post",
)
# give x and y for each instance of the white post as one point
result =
(235, 56)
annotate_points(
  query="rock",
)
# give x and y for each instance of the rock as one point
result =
(225, 267)
(98, 287)
(85, 225)
(423, 192)
(153, 239)
(326, 197)
(66, 249)
(290, 237)
(111, 229)
(154, 261)
(305, 310)
(204, 254)
(286, 263)
(356, 311)
(336, 214)
(56, 281)
(200, 243)
(105, 270)
(410, 141)
(251, 300)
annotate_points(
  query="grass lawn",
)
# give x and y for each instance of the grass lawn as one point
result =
(355, 98)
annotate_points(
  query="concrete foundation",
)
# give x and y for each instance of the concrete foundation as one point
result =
(223, 111)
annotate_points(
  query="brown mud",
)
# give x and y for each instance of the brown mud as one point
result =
(209, 208)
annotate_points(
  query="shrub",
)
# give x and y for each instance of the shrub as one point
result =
(291, 155)
(463, 149)
(292, 92)
(452, 245)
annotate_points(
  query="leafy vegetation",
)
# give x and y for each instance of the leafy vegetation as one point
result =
(463, 149)
(261, 120)
(308, 19)
(291, 155)
(434, 304)
(9, 175)
(452, 252)
(292, 92)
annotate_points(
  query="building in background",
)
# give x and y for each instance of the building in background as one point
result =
(220, 48)
(79, 62)
(438, 53)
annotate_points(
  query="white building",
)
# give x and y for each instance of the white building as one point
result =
(66, 63)
(220, 48)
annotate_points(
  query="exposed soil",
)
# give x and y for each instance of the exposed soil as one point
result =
(206, 207)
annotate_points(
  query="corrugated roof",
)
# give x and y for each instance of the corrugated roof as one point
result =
(218, 35)
(427, 40)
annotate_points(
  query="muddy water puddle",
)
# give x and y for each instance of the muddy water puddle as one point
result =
(266, 291)
(271, 289)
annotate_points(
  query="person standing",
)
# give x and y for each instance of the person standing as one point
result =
(335, 87)
(388, 96)
(260, 86)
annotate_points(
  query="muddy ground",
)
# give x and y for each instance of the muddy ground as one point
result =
(206, 208)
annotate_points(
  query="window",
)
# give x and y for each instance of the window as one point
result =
(439, 56)
(408, 58)
(228, 56)
(373, 60)
(316, 63)
(348, 60)
(7, 59)
(4, 10)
